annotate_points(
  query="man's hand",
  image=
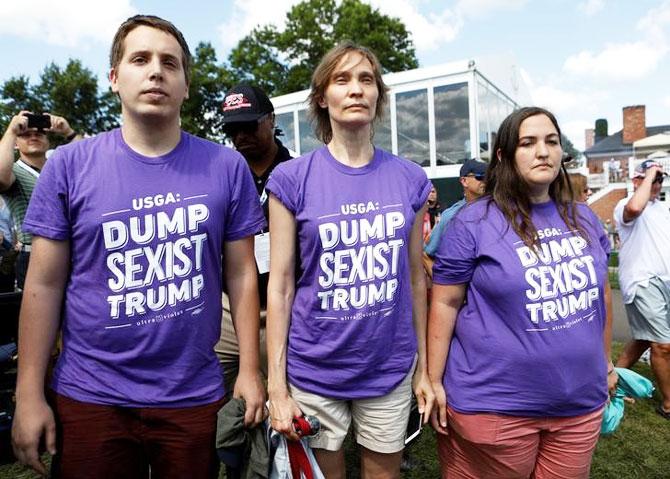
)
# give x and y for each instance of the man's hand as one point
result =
(33, 420)
(18, 124)
(250, 388)
(60, 126)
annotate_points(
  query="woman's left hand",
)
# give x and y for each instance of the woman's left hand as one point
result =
(425, 397)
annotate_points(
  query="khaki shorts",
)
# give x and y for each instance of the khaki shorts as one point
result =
(379, 423)
(649, 313)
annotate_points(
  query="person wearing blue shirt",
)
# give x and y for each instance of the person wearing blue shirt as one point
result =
(472, 179)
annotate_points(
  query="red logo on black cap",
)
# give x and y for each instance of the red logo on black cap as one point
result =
(235, 101)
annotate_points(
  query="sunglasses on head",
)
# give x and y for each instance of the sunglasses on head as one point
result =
(247, 127)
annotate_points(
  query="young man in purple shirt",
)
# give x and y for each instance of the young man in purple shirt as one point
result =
(129, 229)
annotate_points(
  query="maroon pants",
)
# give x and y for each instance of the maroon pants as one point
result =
(122, 442)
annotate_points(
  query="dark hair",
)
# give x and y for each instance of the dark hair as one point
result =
(321, 79)
(118, 44)
(510, 192)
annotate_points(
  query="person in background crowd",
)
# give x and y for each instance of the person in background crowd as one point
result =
(612, 233)
(343, 337)
(432, 216)
(249, 122)
(643, 224)
(17, 179)
(580, 188)
(472, 175)
(520, 370)
(8, 249)
(129, 229)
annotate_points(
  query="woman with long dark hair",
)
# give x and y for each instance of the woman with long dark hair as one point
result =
(518, 336)
(346, 336)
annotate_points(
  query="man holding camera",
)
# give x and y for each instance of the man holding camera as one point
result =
(643, 224)
(28, 134)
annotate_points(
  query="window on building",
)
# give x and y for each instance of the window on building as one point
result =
(382, 137)
(308, 142)
(484, 114)
(412, 126)
(452, 124)
(284, 121)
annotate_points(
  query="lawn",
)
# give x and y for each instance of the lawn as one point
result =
(639, 449)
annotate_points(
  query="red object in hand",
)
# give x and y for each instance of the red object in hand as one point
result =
(300, 466)
(306, 426)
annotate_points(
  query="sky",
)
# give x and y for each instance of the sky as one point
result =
(583, 59)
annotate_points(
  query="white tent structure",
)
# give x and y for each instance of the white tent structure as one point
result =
(651, 145)
(658, 154)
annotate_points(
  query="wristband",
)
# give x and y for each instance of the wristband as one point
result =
(71, 136)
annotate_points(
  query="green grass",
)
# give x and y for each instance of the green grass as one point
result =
(639, 449)
(614, 279)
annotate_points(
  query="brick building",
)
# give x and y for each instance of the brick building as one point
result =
(634, 142)
(618, 147)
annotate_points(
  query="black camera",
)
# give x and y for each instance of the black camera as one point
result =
(39, 122)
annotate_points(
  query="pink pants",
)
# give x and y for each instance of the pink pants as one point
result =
(494, 446)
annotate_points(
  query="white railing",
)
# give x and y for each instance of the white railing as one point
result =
(598, 181)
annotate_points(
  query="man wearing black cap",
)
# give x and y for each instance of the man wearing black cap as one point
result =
(643, 224)
(249, 122)
(472, 180)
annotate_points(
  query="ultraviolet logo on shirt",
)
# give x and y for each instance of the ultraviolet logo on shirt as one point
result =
(363, 274)
(562, 280)
(175, 261)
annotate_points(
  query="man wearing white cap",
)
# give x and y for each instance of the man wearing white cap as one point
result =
(643, 224)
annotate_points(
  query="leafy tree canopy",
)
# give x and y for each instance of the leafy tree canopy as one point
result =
(283, 61)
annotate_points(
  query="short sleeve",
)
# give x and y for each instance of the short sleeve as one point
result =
(618, 215)
(456, 255)
(245, 215)
(48, 211)
(422, 192)
(280, 185)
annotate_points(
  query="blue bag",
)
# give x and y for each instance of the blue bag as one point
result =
(630, 384)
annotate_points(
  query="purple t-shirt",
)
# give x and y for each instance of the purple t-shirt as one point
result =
(142, 309)
(529, 339)
(351, 334)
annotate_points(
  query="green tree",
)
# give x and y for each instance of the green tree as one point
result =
(16, 95)
(200, 113)
(266, 70)
(569, 148)
(283, 61)
(71, 92)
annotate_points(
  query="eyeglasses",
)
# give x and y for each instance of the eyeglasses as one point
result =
(246, 127)
(476, 177)
(659, 179)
